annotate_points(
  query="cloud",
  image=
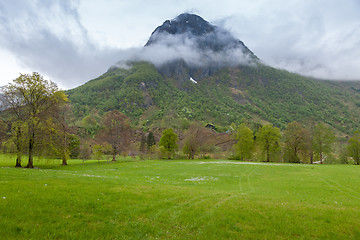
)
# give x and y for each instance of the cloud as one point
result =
(317, 38)
(218, 48)
(49, 37)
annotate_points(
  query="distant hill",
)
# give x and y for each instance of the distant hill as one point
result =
(230, 85)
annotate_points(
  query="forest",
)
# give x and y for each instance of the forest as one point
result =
(37, 119)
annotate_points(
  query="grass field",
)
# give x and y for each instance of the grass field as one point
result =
(178, 200)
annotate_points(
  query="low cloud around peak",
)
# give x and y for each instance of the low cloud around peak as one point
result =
(198, 43)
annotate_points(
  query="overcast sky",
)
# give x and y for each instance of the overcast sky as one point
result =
(71, 42)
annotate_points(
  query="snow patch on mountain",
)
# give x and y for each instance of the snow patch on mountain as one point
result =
(191, 79)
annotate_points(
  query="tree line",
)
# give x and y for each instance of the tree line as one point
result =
(296, 144)
(37, 120)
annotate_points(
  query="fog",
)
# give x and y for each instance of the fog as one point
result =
(168, 48)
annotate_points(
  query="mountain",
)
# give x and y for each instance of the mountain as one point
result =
(226, 84)
(205, 35)
(203, 48)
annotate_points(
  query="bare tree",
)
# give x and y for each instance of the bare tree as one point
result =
(61, 131)
(116, 131)
(323, 139)
(297, 141)
(194, 140)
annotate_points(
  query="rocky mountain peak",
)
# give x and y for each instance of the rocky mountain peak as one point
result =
(196, 48)
(185, 23)
(205, 36)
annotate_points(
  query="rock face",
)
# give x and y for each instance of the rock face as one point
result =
(205, 35)
(203, 48)
(185, 23)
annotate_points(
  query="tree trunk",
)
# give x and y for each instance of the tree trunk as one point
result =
(268, 155)
(31, 151)
(64, 160)
(18, 160)
(114, 155)
(296, 159)
(321, 153)
(18, 148)
(321, 158)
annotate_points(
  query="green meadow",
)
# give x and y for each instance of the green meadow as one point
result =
(208, 199)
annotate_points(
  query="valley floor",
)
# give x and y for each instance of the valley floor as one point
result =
(179, 200)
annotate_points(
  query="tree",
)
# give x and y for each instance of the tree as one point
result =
(18, 138)
(116, 131)
(310, 126)
(142, 143)
(296, 141)
(74, 145)
(84, 150)
(245, 142)
(343, 153)
(60, 139)
(323, 139)
(90, 125)
(269, 139)
(98, 151)
(29, 99)
(168, 141)
(193, 140)
(3, 131)
(150, 140)
(354, 147)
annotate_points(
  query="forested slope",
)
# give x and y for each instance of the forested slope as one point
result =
(247, 93)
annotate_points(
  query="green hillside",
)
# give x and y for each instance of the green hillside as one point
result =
(255, 93)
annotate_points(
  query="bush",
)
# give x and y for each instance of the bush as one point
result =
(330, 159)
(162, 153)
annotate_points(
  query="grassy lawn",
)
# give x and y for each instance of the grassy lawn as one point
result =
(178, 200)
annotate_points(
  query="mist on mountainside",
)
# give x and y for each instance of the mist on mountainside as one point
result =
(193, 40)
